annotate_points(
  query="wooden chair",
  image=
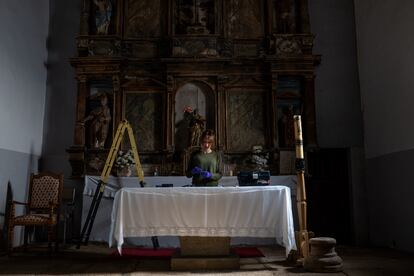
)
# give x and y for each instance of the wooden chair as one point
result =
(42, 207)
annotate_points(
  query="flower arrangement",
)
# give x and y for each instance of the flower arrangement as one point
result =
(188, 109)
(124, 159)
(259, 157)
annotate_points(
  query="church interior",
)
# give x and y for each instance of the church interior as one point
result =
(73, 72)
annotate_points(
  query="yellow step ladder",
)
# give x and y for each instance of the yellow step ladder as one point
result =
(113, 152)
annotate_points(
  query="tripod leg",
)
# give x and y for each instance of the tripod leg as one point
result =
(155, 243)
(88, 233)
(91, 210)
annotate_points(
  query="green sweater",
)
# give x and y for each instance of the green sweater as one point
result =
(207, 162)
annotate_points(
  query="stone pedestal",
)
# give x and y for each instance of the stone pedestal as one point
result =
(204, 253)
(322, 257)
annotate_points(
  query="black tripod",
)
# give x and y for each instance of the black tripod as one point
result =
(87, 227)
(93, 209)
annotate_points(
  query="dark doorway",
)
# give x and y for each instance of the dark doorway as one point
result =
(327, 190)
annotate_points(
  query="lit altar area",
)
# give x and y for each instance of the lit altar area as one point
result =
(245, 67)
(174, 68)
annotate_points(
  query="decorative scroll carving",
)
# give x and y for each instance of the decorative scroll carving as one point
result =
(104, 47)
(287, 46)
(82, 42)
(243, 19)
(245, 50)
(191, 47)
(143, 18)
(283, 45)
(140, 49)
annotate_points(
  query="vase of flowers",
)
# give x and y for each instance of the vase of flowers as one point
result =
(123, 163)
(259, 158)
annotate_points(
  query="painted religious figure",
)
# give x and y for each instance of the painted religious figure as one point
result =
(99, 123)
(196, 125)
(103, 16)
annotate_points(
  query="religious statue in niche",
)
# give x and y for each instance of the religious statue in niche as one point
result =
(286, 128)
(102, 16)
(196, 125)
(98, 121)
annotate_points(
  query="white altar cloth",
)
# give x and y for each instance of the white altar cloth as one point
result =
(263, 211)
(116, 183)
(101, 226)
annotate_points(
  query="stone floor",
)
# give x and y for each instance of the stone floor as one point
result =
(95, 259)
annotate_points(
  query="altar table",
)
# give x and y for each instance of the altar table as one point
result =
(101, 226)
(263, 211)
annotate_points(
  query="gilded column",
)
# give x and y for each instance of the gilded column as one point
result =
(221, 112)
(116, 84)
(168, 116)
(79, 138)
(272, 112)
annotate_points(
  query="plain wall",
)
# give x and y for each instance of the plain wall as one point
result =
(61, 93)
(61, 85)
(338, 108)
(385, 53)
(23, 54)
(339, 121)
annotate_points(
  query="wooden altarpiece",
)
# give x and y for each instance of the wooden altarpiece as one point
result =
(246, 66)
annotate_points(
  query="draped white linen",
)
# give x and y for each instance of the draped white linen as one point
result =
(204, 211)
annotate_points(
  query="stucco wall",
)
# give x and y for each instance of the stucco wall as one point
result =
(23, 55)
(385, 58)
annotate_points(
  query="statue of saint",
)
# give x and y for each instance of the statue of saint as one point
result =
(196, 128)
(103, 16)
(99, 125)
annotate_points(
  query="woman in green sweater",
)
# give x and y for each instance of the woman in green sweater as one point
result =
(204, 165)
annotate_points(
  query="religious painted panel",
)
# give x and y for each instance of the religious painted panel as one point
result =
(194, 17)
(143, 18)
(245, 120)
(243, 18)
(143, 110)
(99, 114)
(102, 21)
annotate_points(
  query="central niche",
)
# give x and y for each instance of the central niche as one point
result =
(194, 17)
(196, 97)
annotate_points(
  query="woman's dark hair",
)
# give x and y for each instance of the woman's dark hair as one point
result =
(209, 134)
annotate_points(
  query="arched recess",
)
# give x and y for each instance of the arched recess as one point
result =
(199, 96)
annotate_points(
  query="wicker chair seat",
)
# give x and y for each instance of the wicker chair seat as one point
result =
(34, 219)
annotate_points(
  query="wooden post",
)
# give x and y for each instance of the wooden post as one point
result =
(303, 236)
